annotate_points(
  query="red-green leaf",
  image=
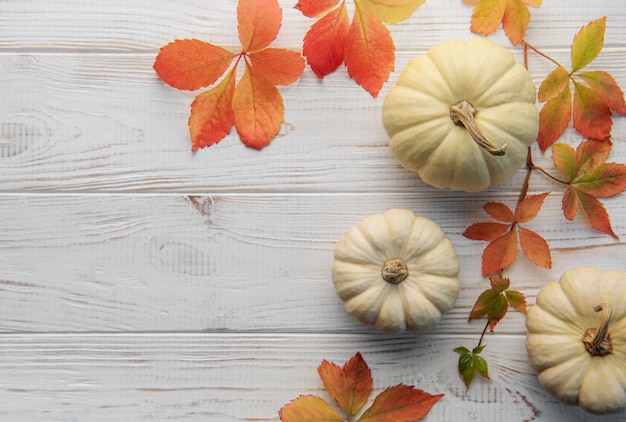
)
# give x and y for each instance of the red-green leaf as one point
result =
(491, 303)
(315, 8)
(592, 117)
(212, 115)
(590, 154)
(606, 88)
(309, 409)
(529, 207)
(486, 231)
(588, 43)
(258, 23)
(554, 118)
(499, 284)
(517, 300)
(554, 84)
(258, 108)
(595, 213)
(603, 181)
(500, 253)
(350, 386)
(370, 51)
(400, 403)
(191, 64)
(564, 157)
(325, 42)
(499, 211)
(535, 248)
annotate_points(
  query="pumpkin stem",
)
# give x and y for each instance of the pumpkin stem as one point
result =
(597, 341)
(463, 114)
(394, 271)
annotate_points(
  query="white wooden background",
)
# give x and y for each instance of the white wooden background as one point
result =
(141, 281)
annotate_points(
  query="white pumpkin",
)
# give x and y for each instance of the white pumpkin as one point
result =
(577, 339)
(463, 115)
(396, 271)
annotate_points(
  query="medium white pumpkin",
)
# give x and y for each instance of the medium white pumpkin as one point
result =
(577, 339)
(396, 271)
(463, 115)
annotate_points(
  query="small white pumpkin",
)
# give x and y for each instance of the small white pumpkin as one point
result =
(396, 271)
(577, 339)
(463, 115)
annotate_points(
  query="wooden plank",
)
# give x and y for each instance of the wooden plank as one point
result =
(145, 25)
(235, 262)
(247, 377)
(104, 122)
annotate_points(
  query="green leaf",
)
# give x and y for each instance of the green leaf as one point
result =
(588, 43)
(471, 363)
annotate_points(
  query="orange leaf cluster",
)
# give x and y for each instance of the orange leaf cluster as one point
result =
(513, 14)
(350, 386)
(596, 93)
(589, 177)
(364, 45)
(253, 104)
(503, 236)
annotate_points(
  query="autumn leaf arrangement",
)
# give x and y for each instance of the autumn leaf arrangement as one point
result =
(253, 105)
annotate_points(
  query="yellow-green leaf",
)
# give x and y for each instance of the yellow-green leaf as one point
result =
(487, 16)
(588, 43)
(554, 84)
(309, 408)
(391, 11)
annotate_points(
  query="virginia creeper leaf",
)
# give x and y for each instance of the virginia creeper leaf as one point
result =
(315, 8)
(535, 248)
(500, 253)
(212, 115)
(277, 65)
(554, 118)
(588, 43)
(471, 363)
(258, 23)
(606, 88)
(554, 84)
(370, 52)
(486, 231)
(515, 20)
(400, 403)
(325, 42)
(592, 117)
(517, 300)
(350, 386)
(487, 16)
(391, 11)
(570, 203)
(258, 108)
(529, 207)
(309, 408)
(564, 158)
(499, 211)
(494, 302)
(191, 64)
(595, 213)
(533, 3)
(603, 181)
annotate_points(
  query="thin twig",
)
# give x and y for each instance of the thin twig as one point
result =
(542, 54)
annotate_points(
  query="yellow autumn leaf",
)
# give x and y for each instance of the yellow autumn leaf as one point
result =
(391, 11)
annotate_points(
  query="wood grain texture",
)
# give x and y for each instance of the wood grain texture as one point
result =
(141, 281)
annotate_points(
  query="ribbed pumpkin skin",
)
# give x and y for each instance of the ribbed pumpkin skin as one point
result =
(425, 140)
(418, 302)
(556, 326)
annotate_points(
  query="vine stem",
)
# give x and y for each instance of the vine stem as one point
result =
(541, 53)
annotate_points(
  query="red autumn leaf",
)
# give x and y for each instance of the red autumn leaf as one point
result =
(191, 64)
(554, 118)
(258, 108)
(592, 117)
(535, 248)
(588, 43)
(500, 253)
(400, 403)
(606, 88)
(258, 23)
(529, 207)
(369, 54)
(513, 14)
(350, 385)
(499, 211)
(212, 115)
(486, 231)
(364, 45)
(570, 203)
(325, 42)
(595, 213)
(253, 104)
(554, 84)
(590, 154)
(309, 408)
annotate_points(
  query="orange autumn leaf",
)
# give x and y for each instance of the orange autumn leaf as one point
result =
(554, 118)
(400, 403)
(309, 408)
(253, 104)
(503, 236)
(364, 44)
(606, 88)
(350, 385)
(554, 84)
(589, 177)
(512, 14)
